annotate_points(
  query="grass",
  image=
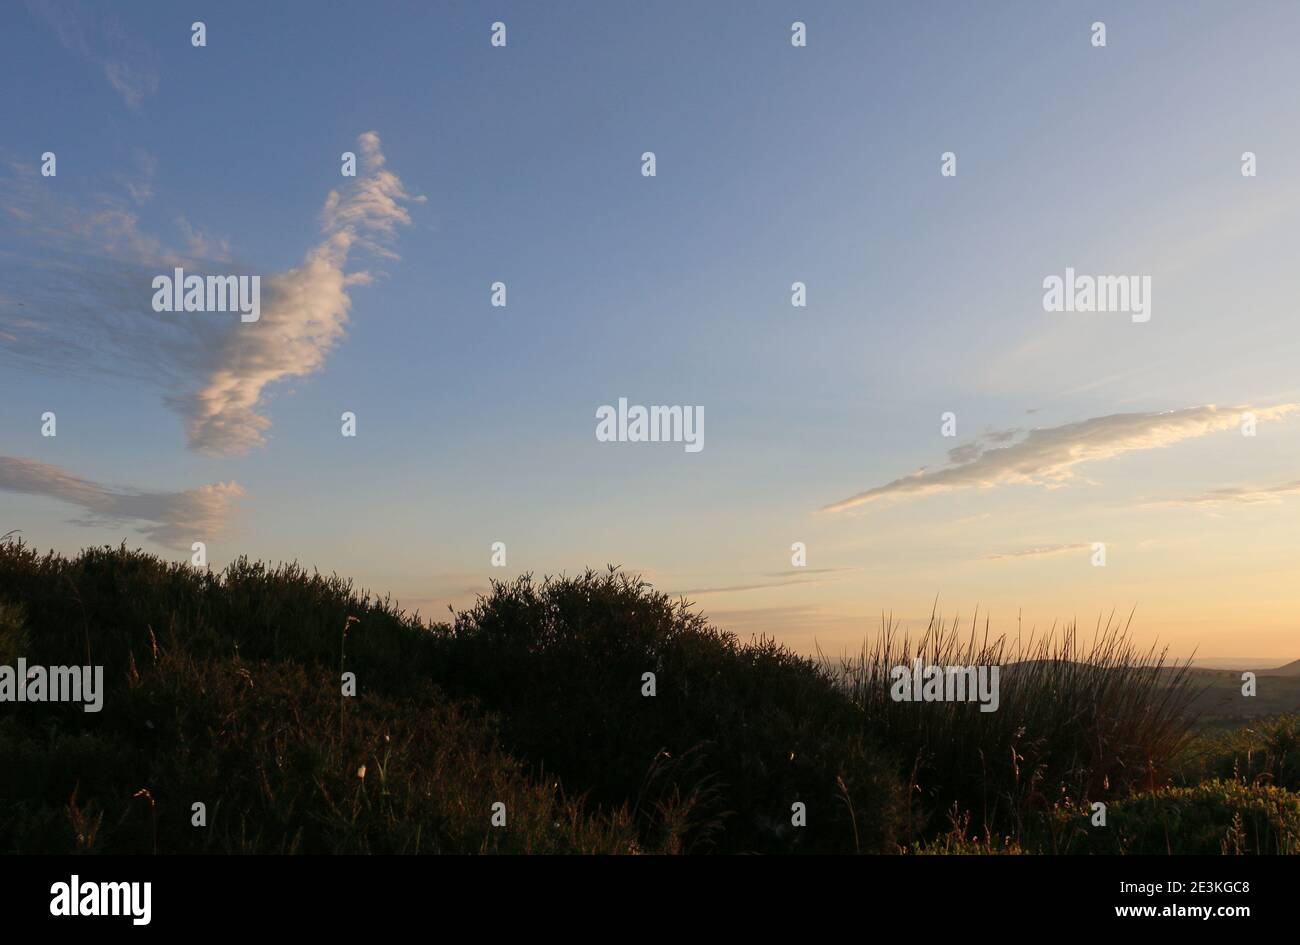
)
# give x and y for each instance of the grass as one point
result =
(1212, 817)
(266, 749)
(1267, 751)
(1077, 721)
(226, 690)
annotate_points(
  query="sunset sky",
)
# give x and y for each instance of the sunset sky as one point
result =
(775, 164)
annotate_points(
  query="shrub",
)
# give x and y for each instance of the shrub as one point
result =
(735, 734)
(14, 641)
(1265, 752)
(283, 765)
(111, 606)
(1073, 721)
(224, 688)
(1213, 817)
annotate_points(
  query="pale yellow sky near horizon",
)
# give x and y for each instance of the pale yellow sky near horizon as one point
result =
(1209, 576)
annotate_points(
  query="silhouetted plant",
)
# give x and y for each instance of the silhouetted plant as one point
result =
(738, 732)
(1075, 721)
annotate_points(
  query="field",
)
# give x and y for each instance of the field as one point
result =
(273, 710)
(1219, 701)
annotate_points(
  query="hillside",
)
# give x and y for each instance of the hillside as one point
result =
(1219, 695)
(1216, 694)
(273, 710)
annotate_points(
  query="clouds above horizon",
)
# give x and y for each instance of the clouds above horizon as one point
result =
(769, 580)
(305, 314)
(174, 519)
(127, 64)
(84, 306)
(1041, 551)
(1245, 495)
(1047, 456)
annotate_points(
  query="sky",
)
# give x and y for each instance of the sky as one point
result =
(824, 424)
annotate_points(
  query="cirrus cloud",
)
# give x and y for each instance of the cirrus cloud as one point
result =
(174, 519)
(1047, 456)
(82, 303)
(1040, 551)
(1242, 495)
(305, 315)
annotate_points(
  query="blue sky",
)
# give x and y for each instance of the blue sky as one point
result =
(774, 164)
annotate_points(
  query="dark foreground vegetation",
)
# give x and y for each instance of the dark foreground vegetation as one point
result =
(226, 690)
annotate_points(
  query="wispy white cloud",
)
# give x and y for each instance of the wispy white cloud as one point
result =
(1048, 456)
(1041, 551)
(103, 226)
(968, 451)
(174, 519)
(128, 65)
(804, 627)
(204, 245)
(139, 182)
(305, 314)
(130, 82)
(771, 580)
(1243, 495)
(82, 302)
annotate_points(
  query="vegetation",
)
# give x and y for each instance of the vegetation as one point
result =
(1265, 752)
(1212, 817)
(227, 690)
(1074, 722)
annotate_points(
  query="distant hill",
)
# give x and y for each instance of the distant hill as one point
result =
(1219, 694)
(1218, 691)
(1258, 666)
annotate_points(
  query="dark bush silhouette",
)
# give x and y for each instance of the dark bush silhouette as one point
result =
(225, 689)
(1076, 721)
(282, 765)
(735, 734)
(109, 605)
